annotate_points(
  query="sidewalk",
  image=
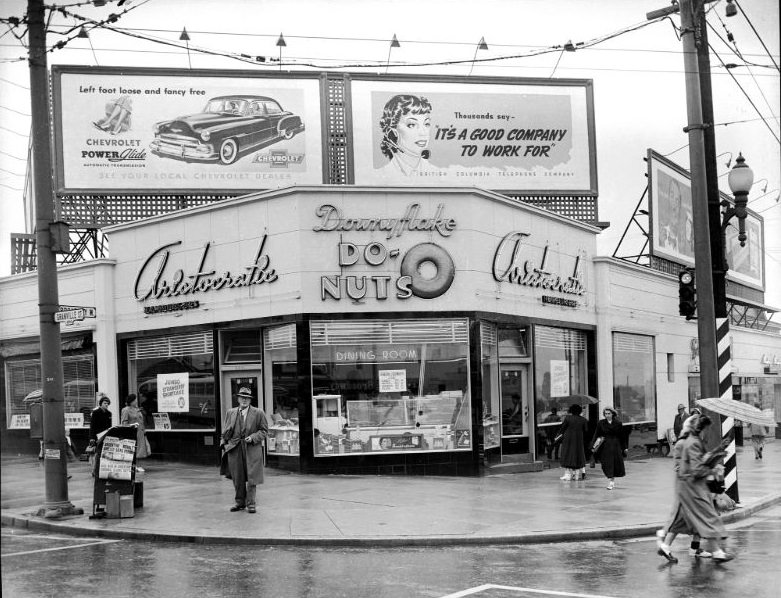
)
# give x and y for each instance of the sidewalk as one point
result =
(190, 503)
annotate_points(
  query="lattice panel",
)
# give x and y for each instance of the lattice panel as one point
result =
(738, 290)
(22, 253)
(338, 171)
(94, 211)
(581, 208)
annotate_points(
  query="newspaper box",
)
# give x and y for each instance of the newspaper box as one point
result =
(115, 469)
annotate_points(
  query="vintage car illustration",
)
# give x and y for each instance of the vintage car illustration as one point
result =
(229, 127)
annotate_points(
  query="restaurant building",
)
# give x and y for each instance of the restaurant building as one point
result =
(386, 320)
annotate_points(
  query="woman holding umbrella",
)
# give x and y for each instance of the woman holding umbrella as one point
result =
(572, 431)
(695, 502)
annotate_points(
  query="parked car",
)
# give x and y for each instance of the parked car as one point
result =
(228, 128)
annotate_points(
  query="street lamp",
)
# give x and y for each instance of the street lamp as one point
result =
(740, 180)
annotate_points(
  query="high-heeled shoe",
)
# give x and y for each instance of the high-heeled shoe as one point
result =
(664, 551)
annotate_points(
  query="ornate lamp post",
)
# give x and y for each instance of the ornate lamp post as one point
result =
(740, 180)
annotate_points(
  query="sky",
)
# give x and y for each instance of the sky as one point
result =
(636, 67)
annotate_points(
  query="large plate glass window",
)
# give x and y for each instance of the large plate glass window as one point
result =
(634, 378)
(173, 377)
(382, 386)
(559, 373)
(281, 384)
(23, 381)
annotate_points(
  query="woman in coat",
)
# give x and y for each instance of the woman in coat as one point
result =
(677, 524)
(572, 432)
(612, 448)
(132, 414)
(694, 496)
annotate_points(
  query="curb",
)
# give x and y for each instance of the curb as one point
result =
(607, 533)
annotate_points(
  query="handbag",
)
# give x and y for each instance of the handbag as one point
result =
(597, 444)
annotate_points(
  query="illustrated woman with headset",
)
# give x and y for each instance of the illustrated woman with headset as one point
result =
(406, 131)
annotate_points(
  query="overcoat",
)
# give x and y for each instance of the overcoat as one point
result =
(573, 430)
(696, 502)
(610, 453)
(133, 415)
(255, 427)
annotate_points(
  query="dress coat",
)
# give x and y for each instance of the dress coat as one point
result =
(610, 453)
(133, 415)
(677, 523)
(255, 427)
(695, 499)
(573, 431)
(98, 422)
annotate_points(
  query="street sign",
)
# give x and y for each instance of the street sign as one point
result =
(70, 313)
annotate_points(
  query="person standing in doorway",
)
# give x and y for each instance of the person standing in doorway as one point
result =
(100, 419)
(609, 446)
(572, 432)
(244, 430)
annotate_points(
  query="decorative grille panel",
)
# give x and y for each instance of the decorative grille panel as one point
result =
(386, 332)
(282, 337)
(559, 338)
(170, 346)
(633, 343)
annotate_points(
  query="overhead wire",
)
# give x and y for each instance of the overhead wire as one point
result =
(759, 37)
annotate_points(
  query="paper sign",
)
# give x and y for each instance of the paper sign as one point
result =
(161, 421)
(20, 422)
(393, 380)
(74, 420)
(559, 378)
(173, 392)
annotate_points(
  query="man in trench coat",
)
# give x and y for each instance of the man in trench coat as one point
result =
(243, 432)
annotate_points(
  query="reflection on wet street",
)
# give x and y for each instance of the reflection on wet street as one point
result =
(35, 565)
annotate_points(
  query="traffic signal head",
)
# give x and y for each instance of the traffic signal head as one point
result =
(687, 294)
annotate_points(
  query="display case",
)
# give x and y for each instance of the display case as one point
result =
(282, 439)
(386, 424)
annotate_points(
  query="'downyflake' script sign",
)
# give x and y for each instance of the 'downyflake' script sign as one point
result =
(156, 280)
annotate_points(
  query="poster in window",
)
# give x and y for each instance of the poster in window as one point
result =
(173, 392)
(559, 378)
(161, 421)
(393, 380)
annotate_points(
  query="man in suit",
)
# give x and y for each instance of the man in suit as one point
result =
(679, 419)
(243, 431)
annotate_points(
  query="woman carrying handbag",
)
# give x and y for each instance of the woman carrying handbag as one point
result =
(609, 446)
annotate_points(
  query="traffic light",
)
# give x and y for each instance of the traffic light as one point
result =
(687, 293)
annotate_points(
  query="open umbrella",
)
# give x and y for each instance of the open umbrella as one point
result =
(738, 410)
(33, 397)
(582, 399)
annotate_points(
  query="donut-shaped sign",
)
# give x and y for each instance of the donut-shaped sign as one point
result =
(424, 287)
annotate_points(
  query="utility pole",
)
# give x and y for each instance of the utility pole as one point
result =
(718, 259)
(710, 268)
(54, 444)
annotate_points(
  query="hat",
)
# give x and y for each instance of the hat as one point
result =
(244, 392)
(680, 406)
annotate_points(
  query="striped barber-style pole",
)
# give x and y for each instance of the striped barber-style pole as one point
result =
(725, 392)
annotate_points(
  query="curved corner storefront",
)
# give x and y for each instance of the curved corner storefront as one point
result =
(382, 330)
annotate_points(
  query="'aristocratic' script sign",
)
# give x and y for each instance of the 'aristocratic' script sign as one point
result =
(331, 219)
(156, 284)
(509, 266)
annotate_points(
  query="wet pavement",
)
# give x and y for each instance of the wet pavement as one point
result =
(189, 503)
(39, 564)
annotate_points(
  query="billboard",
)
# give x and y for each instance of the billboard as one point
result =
(151, 130)
(672, 225)
(524, 135)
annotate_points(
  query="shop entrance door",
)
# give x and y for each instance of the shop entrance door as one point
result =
(233, 381)
(515, 408)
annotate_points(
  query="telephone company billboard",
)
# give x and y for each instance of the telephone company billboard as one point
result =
(147, 130)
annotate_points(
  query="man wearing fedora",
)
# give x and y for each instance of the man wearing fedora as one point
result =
(243, 431)
(679, 419)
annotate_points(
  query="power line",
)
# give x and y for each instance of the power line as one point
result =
(12, 156)
(12, 110)
(759, 37)
(14, 132)
(750, 101)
